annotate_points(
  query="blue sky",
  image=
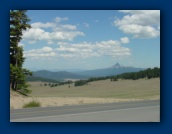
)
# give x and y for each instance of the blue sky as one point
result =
(91, 39)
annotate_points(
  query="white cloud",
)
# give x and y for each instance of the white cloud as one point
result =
(46, 49)
(42, 25)
(68, 27)
(59, 19)
(109, 42)
(139, 31)
(125, 40)
(82, 50)
(39, 55)
(62, 43)
(51, 32)
(68, 49)
(54, 26)
(140, 23)
(37, 34)
(43, 52)
(141, 17)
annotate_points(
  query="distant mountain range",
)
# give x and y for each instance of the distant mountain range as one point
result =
(113, 70)
(34, 78)
(57, 70)
(79, 74)
(60, 76)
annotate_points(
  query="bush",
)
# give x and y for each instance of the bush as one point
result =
(52, 85)
(25, 91)
(32, 104)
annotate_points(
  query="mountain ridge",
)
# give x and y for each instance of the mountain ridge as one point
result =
(62, 75)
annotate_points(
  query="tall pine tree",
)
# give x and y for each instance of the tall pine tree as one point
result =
(18, 23)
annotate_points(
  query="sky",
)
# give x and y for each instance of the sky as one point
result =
(91, 39)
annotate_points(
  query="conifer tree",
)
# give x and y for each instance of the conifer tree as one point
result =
(18, 23)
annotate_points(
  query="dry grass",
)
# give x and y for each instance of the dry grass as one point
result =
(138, 89)
(103, 91)
(18, 102)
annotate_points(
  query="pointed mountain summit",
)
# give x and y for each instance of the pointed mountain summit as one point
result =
(102, 72)
(117, 65)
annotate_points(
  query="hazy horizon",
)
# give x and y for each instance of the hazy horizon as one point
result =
(77, 69)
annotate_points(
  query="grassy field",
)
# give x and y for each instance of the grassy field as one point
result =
(139, 89)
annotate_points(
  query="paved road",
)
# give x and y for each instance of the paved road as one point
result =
(140, 111)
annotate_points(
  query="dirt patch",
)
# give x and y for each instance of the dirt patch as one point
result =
(17, 101)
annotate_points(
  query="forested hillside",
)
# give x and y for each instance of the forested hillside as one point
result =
(148, 74)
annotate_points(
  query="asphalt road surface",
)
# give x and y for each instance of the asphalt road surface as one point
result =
(140, 111)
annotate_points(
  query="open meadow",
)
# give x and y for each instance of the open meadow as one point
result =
(138, 89)
(103, 91)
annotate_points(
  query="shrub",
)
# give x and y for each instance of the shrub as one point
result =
(52, 85)
(32, 104)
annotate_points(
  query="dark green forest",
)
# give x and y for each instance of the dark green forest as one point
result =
(147, 74)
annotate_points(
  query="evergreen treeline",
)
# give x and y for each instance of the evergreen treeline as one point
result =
(18, 23)
(58, 84)
(80, 82)
(148, 73)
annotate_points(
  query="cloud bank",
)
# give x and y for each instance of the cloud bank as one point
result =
(51, 32)
(140, 23)
(81, 50)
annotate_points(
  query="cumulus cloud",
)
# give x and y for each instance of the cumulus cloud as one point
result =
(43, 52)
(36, 34)
(51, 31)
(43, 25)
(46, 49)
(82, 50)
(125, 40)
(68, 27)
(140, 23)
